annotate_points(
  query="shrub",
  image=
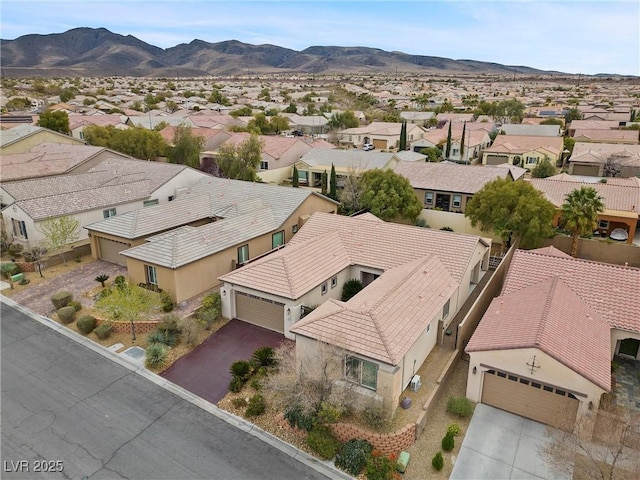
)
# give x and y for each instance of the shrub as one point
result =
(239, 402)
(75, 304)
(120, 281)
(103, 293)
(102, 278)
(67, 314)
(24, 281)
(61, 299)
(447, 229)
(447, 442)
(210, 310)
(298, 419)
(103, 331)
(353, 456)
(240, 369)
(157, 356)
(375, 418)
(155, 337)
(86, 324)
(190, 329)
(14, 250)
(454, 429)
(380, 467)
(263, 357)
(350, 288)
(329, 413)
(10, 268)
(322, 441)
(236, 384)
(255, 384)
(437, 461)
(256, 406)
(460, 406)
(167, 303)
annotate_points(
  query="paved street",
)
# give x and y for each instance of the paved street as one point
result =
(62, 401)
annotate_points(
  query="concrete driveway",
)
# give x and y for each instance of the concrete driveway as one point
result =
(500, 445)
(205, 370)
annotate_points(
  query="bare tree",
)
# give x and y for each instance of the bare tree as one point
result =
(612, 453)
(353, 189)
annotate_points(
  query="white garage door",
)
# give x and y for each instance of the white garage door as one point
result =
(529, 398)
(110, 251)
(260, 311)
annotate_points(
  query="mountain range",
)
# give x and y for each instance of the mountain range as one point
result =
(99, 52)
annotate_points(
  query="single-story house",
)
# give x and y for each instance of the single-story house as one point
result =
(307, 124)
(22, 138)
(382, 135)
(531, 130)
(209, 230)
(521, 150)
(591, 125)
(415, 281)
(419, 118)
(621, 202)
(543, 348)
(476, 138)
(589, 159)
(114, 186)
(78, 122)
(448, 186)
(629, 137)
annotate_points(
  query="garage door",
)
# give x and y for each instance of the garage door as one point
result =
(587, 170)
(380, 144)
(260, 311)
(110, 251)
(529, 398)
(496, 159)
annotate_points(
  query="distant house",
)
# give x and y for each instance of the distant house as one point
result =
(448, 186)
(591, 125)
(629, 137)
(525, 151)
(476, 139)
(590, 159)
(531, 130)
(22, 138)
(419, 118)
(77, 123)
(382, 135)
(309, 124)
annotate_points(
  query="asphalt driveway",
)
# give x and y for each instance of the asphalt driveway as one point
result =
(500, 445)
(205, 370)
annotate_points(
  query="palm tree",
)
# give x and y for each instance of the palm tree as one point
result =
(580, 214)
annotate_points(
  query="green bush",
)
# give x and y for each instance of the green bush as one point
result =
(103, 331)
(155, 337)
(322, 441)
(299, 419)
(10, 268)
(437, 461)
(157, 355)
(239, 402)
(454, 429)
(170, 330)
(240, 369)
(167, 303)
(61, 299)
(67, 314)
(329, 413)
(353, 456)
(380, 467)
(256, 384)
(236, 384)
(210, 310)
(375, 418)
(350, 288)
(460, 406)
(256, 406)
(75, 304)
(447, 442)
(263, 357)
(86, 324)
(120, 281)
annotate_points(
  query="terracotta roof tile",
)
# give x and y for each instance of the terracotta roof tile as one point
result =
(625, 198)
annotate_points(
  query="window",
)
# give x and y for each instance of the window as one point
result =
(19, 228)
(151, 274)
(455, 152)
(264, 165)
(457, 201)
(445, 309)
(428, 198)
(428, 327)
(277, 239)
(324, 288)
(171, 198)
(150, 203)
(109, 212)
(294, 229)
(361, 372)
(532, 160)
(243, 254)
(334, 282)
(603, 224)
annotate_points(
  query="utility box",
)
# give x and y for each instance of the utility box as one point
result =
(416, 383)
(403, 461)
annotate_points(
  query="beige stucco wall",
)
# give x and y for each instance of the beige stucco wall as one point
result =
(437, 219)
(551, 372)
(25, 144)
(276, 175)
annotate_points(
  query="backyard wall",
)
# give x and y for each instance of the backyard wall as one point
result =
(599, 250)
(437, 219)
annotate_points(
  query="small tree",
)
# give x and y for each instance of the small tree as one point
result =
(59, 233)
(323, 183)
(464, 131)
(333, 186)
(448, 148)
(611, 168)
(55, 120)
(186, 147)
(295, 179)
(580, 212)
(241, 162)
(352, 192)
(544, 169)
(350, 289)
(403, 137)
(389, 195)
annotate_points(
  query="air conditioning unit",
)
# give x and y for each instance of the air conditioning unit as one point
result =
(416, 383)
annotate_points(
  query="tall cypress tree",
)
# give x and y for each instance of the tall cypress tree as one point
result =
(296, 180)
(323, 183)
(464, 131)
(447, 152)
(333, 193)
(403, 136)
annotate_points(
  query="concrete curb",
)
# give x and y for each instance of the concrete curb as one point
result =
(324, 467)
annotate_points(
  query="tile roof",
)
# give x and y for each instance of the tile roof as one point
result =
(551, 251)
(187, 244)
(273, 145)
(627, 135)
(611, 290)
(625, 198)
(525, 143)
(448, 176)
(157, 173)
(549, 316)
(386, 318)
(358, 159)
(531, 130)
(364, 240)
(14, 134)
(587, 152)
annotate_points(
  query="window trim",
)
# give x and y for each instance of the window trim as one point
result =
(334, 282)
(428, 198)
(273, 238)
(294, 228)
(109, 212)
(446, 309)
(150, 203)
(243, 248)
(323, 289)
(151, 274)
(264, 165)
(459, 203)
(358, 378)
(603, 224)
(19, 228)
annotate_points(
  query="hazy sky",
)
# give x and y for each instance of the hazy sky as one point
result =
(574, 36)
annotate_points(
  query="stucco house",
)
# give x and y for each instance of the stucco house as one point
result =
(628, 137)
(448, 186)
(522, 150)
(382, 135)
(589, 159)
(543, 348)
(209, 230)
(415, 280)
(114, 186)
(621, 201)
(78, 122)
(22, 138)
